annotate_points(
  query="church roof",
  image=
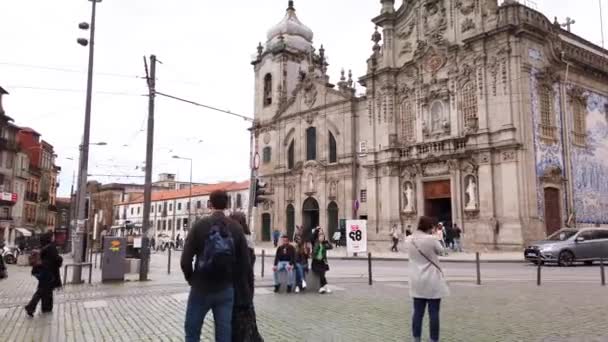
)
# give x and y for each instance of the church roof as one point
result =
(291, 30)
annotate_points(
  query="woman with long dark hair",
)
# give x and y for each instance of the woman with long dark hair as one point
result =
(244, 325)
(46, 263)
(427, 282)
(319, 264)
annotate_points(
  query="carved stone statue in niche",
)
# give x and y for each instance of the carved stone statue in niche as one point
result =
(471, 193)
(311, 183)
(291, 192)
(333, 189)
(434, 16)
(466, 6)
(408, 198)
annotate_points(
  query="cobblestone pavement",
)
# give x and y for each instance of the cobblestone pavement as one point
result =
(154, 311)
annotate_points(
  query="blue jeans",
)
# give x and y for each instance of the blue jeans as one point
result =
(300, 273)
(457, 245)
(199, 305)
(284, 266)
(418, 316)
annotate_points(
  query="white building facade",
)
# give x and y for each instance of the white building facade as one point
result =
(474, 113)
(169, 212)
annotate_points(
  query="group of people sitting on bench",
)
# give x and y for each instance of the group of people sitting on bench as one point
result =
(293, 260)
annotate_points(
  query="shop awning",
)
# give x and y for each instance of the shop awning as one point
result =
(24, 232)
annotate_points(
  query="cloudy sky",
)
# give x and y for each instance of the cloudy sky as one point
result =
(205, 48)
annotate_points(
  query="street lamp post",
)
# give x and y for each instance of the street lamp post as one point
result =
(190, 193)
(79, 253)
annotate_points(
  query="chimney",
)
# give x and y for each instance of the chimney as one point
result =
(2, 93)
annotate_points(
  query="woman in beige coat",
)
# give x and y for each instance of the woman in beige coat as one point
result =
(427, 282)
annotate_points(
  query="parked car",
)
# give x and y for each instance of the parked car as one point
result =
(568, 245)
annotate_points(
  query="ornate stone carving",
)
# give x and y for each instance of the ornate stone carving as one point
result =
(484, 158)
(434, 16)
(509, 155)
(577, 94)
(466, 6)
(406, 48)
(333, 189)
(310, 118)
(266, 138)
(467, 25)
(393, 140)
(406, 31)
(435, 169)
(434, 61)
(291, 192)
(310, 91)
(553, 174)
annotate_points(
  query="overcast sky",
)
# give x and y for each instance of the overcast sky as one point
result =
(205, 48)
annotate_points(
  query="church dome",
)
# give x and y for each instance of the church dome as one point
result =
(293, 33)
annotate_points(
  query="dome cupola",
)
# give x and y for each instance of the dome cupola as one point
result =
(291, 32)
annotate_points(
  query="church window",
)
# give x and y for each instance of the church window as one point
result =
(290, 156)
(363, 196)
(469, 101)
(333, 153)
(436, 116)
(579, 110)
(311, 143)
(547, 115)
(267, 90)
(407, 121)
(267, 154)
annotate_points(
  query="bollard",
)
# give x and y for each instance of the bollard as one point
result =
(169, 261)
(540, 264)
(263, 257)
(369, 267)
(477, 263)
(602, 274)
(95, 263)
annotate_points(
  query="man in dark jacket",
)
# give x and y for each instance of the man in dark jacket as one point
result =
(223, 288)
(46, 270)
(284, 260)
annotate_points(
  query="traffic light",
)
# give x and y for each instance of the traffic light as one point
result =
(259, 192)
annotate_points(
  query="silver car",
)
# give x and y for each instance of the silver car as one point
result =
(568, 246)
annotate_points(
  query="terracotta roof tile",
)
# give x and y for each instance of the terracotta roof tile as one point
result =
(197, 190)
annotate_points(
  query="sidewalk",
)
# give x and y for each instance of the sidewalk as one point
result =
(378, 254)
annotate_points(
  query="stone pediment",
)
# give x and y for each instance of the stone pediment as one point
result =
(310, 93)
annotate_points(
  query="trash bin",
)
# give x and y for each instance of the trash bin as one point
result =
(114, 259)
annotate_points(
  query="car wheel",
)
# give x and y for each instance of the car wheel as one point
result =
(9, 259)
(566, 259)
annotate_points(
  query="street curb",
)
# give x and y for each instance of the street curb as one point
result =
(496, 261)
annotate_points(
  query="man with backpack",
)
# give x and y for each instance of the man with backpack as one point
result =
(220, 279)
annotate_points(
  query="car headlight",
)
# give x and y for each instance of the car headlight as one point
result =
(547, 249)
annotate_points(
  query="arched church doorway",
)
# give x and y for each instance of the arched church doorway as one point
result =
(290, 214)
(310, 216)
(332, 219)
(266, 227)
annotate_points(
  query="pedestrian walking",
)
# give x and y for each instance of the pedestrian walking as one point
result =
(439, 235)
(222, 277)
(457, 237)
(319, 265)
(449, 237)
(46, 263)
(427, 282)
(244, 322)
(284, 261)
(408, 230)
(276, 234)
(395, 238)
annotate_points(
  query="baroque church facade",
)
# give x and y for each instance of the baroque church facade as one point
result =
(485, 115)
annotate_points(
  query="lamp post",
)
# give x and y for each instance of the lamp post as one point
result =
(79, 251)
(190, 192)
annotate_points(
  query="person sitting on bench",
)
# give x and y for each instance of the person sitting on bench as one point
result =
(284, 260)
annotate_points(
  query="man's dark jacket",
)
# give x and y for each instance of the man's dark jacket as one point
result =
(242, 272)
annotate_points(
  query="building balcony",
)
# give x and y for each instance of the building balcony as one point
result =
(31, 196)
(435, 149)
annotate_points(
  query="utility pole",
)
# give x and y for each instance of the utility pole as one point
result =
(145, 243)
(81, 195)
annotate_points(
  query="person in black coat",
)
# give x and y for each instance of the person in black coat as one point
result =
(45, 267)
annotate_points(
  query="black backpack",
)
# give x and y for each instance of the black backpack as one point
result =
(218, 257)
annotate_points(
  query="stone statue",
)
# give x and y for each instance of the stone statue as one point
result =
(332, 189)
(408, 195)
(472, 193)
(311, 183)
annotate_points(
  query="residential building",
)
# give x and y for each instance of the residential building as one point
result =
(172, 210)
(490, 116)
(169, 181)
(8, 150)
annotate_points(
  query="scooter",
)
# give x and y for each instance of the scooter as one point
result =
(10, 254)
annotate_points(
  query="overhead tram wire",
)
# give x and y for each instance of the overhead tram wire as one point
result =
(246, 118)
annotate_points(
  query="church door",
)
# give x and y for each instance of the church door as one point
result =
(310, 215)
(332, 219)
(553, 220)
(266, 227)
(291, 220)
